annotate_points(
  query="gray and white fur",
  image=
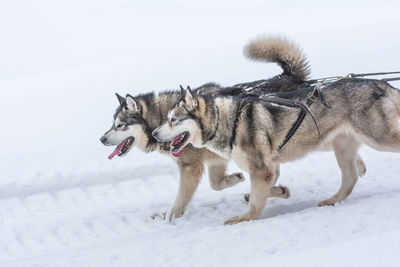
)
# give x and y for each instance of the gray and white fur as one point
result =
(137, 116)
(250, 131)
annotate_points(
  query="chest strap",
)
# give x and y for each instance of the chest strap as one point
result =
(313, 96)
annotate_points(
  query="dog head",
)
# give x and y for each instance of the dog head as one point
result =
(128, 128)
(182, 127)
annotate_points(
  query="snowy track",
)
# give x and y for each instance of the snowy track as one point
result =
(77, 211)
(109, 223)
(48, 223)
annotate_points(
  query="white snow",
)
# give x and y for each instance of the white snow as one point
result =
(62, 203)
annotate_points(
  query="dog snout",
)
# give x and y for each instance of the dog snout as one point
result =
(103, 139)
(155, 133)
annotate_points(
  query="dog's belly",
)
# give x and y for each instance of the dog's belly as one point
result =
(327, 146)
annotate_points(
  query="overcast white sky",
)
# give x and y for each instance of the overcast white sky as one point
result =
(46, 36)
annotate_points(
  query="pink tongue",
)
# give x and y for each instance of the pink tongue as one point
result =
(174, 142)
(117, 149)
(177, 154)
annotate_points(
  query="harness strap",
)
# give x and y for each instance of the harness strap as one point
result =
(317, 95)
(391, 79)
(356, 75)
(294, 128)
(312, 97)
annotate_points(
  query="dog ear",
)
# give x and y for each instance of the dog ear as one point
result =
(190, 99)
(183, 92)
(131, 104)
(120, 99)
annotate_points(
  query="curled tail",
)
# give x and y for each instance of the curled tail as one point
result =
(281, 51)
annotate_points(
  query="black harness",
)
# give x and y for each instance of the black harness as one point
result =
(313, 96)
(316, 94)
(280, 99)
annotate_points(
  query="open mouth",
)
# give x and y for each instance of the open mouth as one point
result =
(177, 144)
(123, 147)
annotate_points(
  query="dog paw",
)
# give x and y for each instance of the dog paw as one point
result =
(176, 212)
(239, 176)
(238, 219)
(285, 191)
(161, 215)
(228, 181)
(233, 220)
(327, 202)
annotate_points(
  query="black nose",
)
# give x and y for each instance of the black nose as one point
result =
(155, 134)
(103, 139)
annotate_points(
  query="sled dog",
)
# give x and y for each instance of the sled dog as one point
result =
(251, 130)
(136, 118)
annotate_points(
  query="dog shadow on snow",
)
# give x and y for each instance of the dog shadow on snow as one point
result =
(231, 207)
(236, 207)
(275, 209)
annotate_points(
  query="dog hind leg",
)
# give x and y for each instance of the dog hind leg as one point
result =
(345, 148)
(381, 127)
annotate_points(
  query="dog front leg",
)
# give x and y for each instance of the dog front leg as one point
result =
(276, 191)
(261, 184)
(189, 180)
(219, 180)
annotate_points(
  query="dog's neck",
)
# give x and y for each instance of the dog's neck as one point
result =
(217, 124)
(156, 115)
(209, 123)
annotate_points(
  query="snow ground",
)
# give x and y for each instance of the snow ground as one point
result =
(62, 203)
(107, 223)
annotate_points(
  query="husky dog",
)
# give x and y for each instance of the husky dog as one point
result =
(250, 131)
(136, 118)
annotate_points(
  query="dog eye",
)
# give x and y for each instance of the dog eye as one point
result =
(173, 120)
(120, 125)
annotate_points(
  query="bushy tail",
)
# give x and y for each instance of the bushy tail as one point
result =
(281, 51)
